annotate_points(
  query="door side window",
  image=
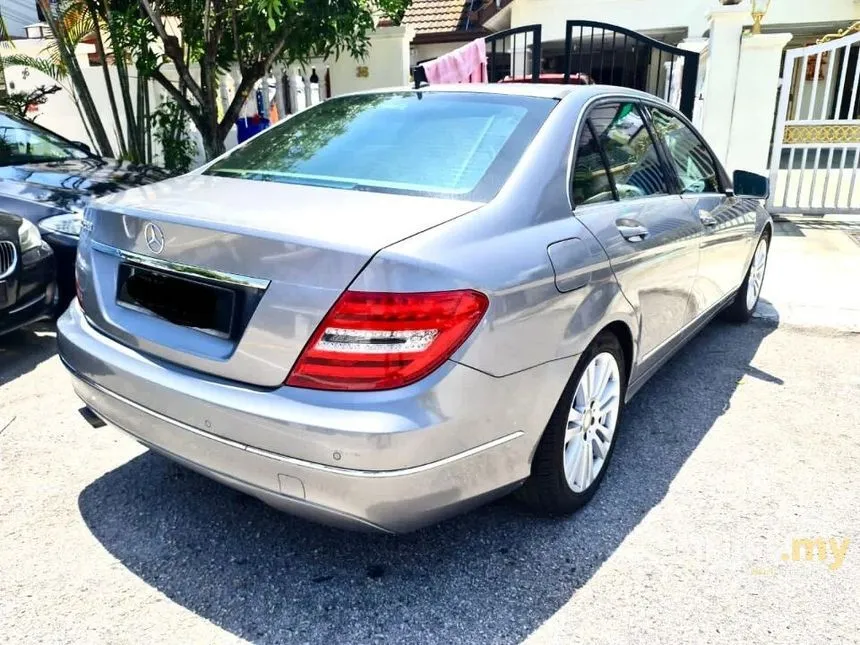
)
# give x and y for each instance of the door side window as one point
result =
(590, 183)
(634, 163)
(692, 160)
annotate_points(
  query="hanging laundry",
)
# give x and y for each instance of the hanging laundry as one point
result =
(466, 64)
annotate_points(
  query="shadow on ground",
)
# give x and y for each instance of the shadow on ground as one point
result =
(493, 575)
(22, 350)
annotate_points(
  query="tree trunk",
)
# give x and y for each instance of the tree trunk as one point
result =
(100, 49)
(213, 144)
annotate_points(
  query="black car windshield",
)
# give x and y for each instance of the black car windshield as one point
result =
(22, 142)
(460, 145)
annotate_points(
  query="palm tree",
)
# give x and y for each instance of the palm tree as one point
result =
(4, 36)
(68, 26)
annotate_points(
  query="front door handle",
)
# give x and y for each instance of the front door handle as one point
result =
(706, 219)
(631, 230)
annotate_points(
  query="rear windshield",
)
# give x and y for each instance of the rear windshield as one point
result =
(457, 145)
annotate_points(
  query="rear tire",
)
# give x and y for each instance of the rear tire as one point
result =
(574, 451)
(742, 307)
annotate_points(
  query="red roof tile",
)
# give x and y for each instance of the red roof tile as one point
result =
(442, 16)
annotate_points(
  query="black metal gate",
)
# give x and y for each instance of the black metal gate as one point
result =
(595, 52)
(514, 55)
(613, 55)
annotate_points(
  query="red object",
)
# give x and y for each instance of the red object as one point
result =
(380, 341)
(555, 79)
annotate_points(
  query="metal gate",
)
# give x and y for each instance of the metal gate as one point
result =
(613, 55)
(816, 148)
(514, 55)
(595, 52)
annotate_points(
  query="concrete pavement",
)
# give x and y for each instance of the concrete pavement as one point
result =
(745, 442)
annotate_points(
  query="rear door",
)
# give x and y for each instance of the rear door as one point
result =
(728, 225)
(622, 192)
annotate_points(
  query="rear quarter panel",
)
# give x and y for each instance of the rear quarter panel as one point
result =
(501, 249)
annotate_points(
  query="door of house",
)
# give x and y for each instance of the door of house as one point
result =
(815, 160)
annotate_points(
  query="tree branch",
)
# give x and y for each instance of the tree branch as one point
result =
(192, 110)
(173, 51)
(236, 44)
(250, 75)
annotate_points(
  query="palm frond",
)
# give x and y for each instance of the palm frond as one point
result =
(76, 23)
(43, 65)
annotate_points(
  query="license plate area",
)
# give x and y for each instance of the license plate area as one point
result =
(186, 302)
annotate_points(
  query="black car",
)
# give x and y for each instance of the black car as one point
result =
(48, 180)
(28, 288)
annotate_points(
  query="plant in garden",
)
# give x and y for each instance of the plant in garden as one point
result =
(170, 129)
(19, 103)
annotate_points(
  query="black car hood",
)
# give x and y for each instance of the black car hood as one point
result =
(72, 183)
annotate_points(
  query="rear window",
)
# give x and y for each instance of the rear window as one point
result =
(457, 145)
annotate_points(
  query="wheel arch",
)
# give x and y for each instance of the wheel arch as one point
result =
(624, 334)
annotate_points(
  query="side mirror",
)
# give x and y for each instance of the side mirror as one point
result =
(83, 146)
(749, 184)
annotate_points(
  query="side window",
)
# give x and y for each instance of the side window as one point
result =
(692, 160)
(630, 151)
(590, 181)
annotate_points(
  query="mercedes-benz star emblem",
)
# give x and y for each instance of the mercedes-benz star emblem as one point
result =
(154, 237)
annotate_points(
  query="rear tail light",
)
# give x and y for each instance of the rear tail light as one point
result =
(380, 341)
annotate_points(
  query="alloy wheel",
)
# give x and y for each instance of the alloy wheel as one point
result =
(591, 422)
(756, 277)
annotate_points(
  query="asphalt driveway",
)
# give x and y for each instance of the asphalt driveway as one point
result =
(747, 440)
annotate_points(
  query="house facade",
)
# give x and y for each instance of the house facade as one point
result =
(671, 21)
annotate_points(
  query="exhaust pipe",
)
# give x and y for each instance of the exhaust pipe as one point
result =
(92, 418)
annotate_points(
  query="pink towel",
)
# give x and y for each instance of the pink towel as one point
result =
(466, 64)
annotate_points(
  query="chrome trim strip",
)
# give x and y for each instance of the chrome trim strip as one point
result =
(12, 253)
(181, 268)
(333, 470)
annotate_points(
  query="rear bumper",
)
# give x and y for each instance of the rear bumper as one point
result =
(360, 489)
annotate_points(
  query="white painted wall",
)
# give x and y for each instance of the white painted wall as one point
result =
(387, 63)
(654, 15)
(428, 51)
(59, 113)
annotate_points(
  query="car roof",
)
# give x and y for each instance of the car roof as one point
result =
(538, 90)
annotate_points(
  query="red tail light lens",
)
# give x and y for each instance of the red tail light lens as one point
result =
(380, 341)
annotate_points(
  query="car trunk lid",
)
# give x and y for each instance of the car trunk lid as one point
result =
(229, 276)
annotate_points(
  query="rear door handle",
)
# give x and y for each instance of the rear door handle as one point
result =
(706, 219)
(631, 230)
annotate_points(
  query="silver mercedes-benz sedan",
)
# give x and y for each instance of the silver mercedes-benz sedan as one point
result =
(396, 305)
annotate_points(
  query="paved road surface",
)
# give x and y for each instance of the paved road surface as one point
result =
(748, 439)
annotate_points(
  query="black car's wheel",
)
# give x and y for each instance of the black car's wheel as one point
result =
(574, 452)
(747, 297)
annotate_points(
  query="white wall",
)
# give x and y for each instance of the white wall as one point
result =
(654, 15)
(428, 51)
(387, 63)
